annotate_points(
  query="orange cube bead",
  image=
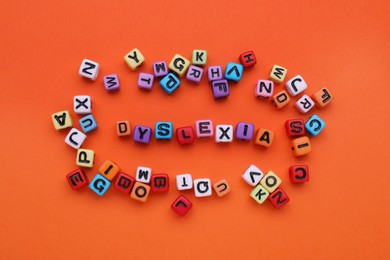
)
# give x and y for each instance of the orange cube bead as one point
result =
(140, 191)
(301, 146)
(123, 128)
(108, 170)
(322, 97)
(281, 99)
(222, 188)
(264, 137)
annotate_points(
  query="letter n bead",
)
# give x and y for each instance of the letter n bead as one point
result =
(278, 198)
(314, 125)
(89, 69)
(99, 185)
(248, 59)
(77, 179)
(264, 88)
(181, 205)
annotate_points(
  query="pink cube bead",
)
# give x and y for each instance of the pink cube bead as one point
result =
(204, 128)
(194, 74)
(264, 88)
(214, 73)
(111, 82)
(145, 81)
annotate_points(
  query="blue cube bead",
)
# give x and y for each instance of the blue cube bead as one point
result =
(234, 71)
(170, 83)
(314, 125)
(99, 185)
(163, 130)
(88, 123)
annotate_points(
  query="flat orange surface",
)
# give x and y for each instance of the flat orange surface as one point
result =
(342, 213)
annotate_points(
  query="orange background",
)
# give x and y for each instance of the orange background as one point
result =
(343, 212)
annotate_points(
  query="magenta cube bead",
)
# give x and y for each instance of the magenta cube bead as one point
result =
(214, 73)
(194, 74)
(220, 88)
(111, 82)
(160, 69)
(142, 134)
(244, 131)
(145, 81)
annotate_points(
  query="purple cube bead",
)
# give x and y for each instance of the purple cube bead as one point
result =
(142, 134)
(160, 69)
(111, 82)
(194, 74)
(244, 131)
(220, 88)
(214, 73)
(145, 81)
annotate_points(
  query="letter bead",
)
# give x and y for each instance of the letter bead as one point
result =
(252, 175)
(179, 65)
(322, 97)
(181, 205)
(296, 85)
(75, 138)
(143, 174)
(140, 191)
(169, 83)
(264, 88)
(111, 82)
(82, 104)
(277, 74)
(220, 88)
(234, 71)
(314, 125)
(224, 133)
(163, 130)
(99, 185)
(85, 158)
(295, 127)
(185, 135)
(194, 74)
(204, 128)
(244, 131)
(248, 59)
(77, 179)
(270, 181)
(61, 120)
(145, 81)
(259, 194)
(214, 73)
(278, 198)
(199, 57)
(124, 183)
(221, 188)
(299, 174)
(304, 104)
(281, 99)
(202, 187)
(134, 59)
(88, 123)
(160, 69)
(184, 181)
(159, 182)
(264, 137)
(301, 146)
(142, 134)
(108, 170)
(89, 69)
(123, 128)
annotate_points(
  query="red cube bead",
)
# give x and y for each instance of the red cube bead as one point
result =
(124, 183)
(77, 179)
(181, 205)
(159, 182)
(299, 173)
(185, 135)
(295, 127)
(278, 198)
(248, 59)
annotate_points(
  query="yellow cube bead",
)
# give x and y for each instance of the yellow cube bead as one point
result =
(179, 65)
(108, 170)
(301, 146)
(222, 188)
(199, 57)
(277, 74)
(62, 120)
(85, 158)
(140, 191)
(134, 59)
(259, 194)
(270, 181)
(264, 137)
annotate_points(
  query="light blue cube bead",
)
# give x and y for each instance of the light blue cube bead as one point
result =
(163, 130)
(234, 71)
(170, 83)
(88, 123)
(314, 125)
(99, 185)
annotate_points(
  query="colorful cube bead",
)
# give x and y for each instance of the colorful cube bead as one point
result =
(77, 179)
(181, 205)
(270, 181)
(85, 158)
(142, 134)
(234, 71)
(264, 88)
(304, 104)
(322, 97)
(199, 57)
(145, 81)
(314, 125)
(184, 181)
(281, 99)
(248, 59)
(204, 128)
(301, 146)
(220, 88)
(202, 187)
(244, 131)
(159, 182)
(111, 82)
(224, 133)
(295, 127)
(194, 74)
(123, 128)
(179, 65)
(299, 173)
(221, 188)
(278, 198)
(88, 123)
(124, 183)
(163, 130)
(160, 69)
(296, 85)
(185, 135)
(99, 185)
(143, 174)
(89, 69)
(134, 59)
(75, 138)
(61, 120)
(277, 74)
(108, 170)
(259, 194)
(140, 191)
(82, 104)
(264, 137)
(169, 83)
(214, 73)
(252, 175)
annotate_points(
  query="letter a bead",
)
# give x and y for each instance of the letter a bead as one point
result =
(61, 120)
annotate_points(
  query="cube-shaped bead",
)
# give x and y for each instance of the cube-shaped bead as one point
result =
(314, 125)
(88, 123)
(278, 198)
(281, 99)
(89, 69)
(142, 134)
(108, 170)
(301, 146)
(277, 74)
(85, 158)
(123, 128)
(322, 97)
(259, 194)
(124, 183)
(75, 138)
(296, 85)
(179, 65)
(264, 88)
(140, 191)
(199, 57)
(220, 88)
(181, 205)
(252, 175)
(204, 128)
(145, 81)
(160, 69)
(134, 59)
(77, 179)
(304, 104)
(185, 135)
(264, 137)
(221, 188)
(163, 130)
(295, 127)
(234, 71)
(61, 120)
(270, 181)
(224, 133)
(194, 74)
(111, 82)
(248, 59)
(159, 182)
(143, 174)
(82, 104)
(99, 185)
(244, 131)
(214, 73)
(202, 187)
(170, 83)
(184, 181)
(299, 173)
